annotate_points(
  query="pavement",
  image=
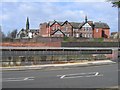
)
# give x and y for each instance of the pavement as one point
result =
(49, 66)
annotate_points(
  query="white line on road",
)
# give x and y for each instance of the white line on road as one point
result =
(62, 76)
(18, 79)
(25, 78)
(77, 75)
(96, 73)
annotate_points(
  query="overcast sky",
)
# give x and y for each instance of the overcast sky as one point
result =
(14, 13)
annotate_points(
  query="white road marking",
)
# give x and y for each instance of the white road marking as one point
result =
(25, 78)
(77, 75)
(17, 79)
(96, 73)
(62, 76)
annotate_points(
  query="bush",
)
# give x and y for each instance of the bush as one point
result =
(99, 39)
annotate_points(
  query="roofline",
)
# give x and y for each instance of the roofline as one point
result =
(65, 22)
(54, 23)
(56, 31)
(85, 23)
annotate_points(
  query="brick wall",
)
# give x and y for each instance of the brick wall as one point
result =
(69, 29)
(18, 44)
(43, 30)
(107, 33)
(97, 33)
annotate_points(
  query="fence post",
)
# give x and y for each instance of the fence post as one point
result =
(114, 54)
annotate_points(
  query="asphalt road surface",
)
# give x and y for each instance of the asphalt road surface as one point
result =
(104, 76)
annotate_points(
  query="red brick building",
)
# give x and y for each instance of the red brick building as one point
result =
(86, 29)
(101, 30)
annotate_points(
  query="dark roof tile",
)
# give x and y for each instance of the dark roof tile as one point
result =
(101, 25)
(75, 24)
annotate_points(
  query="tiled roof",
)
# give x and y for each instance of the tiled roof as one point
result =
(81, 24)
(75, 24)
(34, 30)
(113, 33)
(101, 25)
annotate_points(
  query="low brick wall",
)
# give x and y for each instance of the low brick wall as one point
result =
(18, 44)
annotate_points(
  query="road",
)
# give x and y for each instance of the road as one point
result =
(77, 77)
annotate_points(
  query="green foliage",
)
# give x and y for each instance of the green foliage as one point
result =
(65, 38)
(69, 39)
(116, 3)
(99, 39)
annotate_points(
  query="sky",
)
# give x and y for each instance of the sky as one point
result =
(14, 13)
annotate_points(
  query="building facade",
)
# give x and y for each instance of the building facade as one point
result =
(115, 35)
(86, 29)
(27, 33)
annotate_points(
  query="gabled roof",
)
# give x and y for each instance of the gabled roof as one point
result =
(65, 23)
(112, 33)
(30, 30)
(83, 23)
(101, 25)
(22, 31)
(57, 31)
(53, 22)
(78, 25)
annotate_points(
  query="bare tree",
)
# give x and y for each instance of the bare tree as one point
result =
(12, 34)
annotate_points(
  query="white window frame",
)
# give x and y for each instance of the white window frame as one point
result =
(88, 35)
(66, 28)
(53, 28)
(56, 27)
(96, 30)
(77, 34)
